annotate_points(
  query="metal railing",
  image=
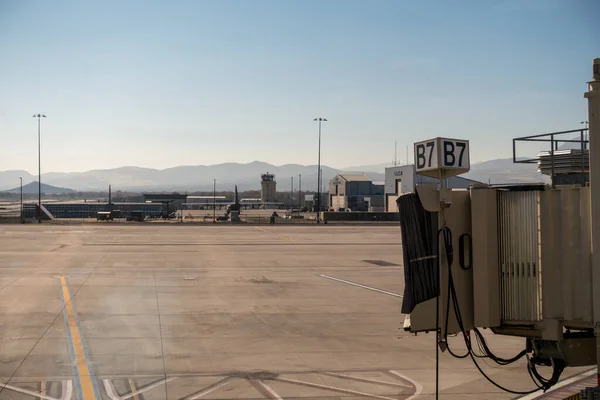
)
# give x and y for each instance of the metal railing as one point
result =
(554, 139)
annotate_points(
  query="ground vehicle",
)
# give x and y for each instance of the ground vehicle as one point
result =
(104, 216)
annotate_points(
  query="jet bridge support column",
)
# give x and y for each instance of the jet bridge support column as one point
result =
(593, 96)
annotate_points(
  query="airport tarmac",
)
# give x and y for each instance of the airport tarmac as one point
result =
(156, 312)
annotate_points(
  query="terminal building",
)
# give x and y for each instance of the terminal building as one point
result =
(403, 179)
(355, 192)
(91, 210)
(206, 202)
(171, 202)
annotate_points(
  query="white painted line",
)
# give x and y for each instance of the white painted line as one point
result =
(210, 389)
(560, 384)
(418, 386)
(361, 286)
(269, 390)
(67, 390)
(26, 391)
(333, 388)
(365, 380)
(149, 387)
(110, 389)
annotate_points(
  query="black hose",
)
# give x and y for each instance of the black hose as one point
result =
(422, 275)
(492, 356)
(544, 384)
(449, 251)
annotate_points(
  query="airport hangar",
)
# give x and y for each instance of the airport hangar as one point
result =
(355, 192)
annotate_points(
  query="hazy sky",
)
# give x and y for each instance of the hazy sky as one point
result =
(166, 83)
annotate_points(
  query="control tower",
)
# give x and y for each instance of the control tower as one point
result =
(267, 187)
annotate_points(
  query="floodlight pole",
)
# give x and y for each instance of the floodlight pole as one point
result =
(300, 191)
(320, 120)
(214, 200)
(21, 208)
(39, 211)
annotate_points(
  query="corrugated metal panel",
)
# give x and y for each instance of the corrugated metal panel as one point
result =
(519, 253)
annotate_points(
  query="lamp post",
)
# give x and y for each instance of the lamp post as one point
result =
(320, 120)
(320, 188)
(21, 208)
(214, 201)
(300, 191)
(39, 211)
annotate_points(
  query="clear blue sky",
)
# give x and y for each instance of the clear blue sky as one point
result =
(166, 83)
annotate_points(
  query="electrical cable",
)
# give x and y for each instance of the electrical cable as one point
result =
(492, 356)
(449, 259)
(544, 384)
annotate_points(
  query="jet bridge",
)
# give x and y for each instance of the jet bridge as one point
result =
(517, 259)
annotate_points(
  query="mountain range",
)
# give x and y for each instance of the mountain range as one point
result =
(33, 187)
(505, 171)
(246, 176)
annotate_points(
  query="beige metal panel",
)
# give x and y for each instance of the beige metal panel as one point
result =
(458, 218)
(550, 228)
(566, 259)
(429, 195)
(575, 251)
(486, 273)
(570, 253)
(585, 287)
(422, 319)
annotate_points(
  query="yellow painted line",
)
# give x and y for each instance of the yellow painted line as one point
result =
(133, 389)
(274, 233)
(83, 372)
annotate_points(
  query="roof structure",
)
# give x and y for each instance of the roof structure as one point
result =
(164, 196)
(354, 177)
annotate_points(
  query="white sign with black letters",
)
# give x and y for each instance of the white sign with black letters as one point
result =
(442, 155)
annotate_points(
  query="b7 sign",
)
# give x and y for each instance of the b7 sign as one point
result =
(448, 155)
